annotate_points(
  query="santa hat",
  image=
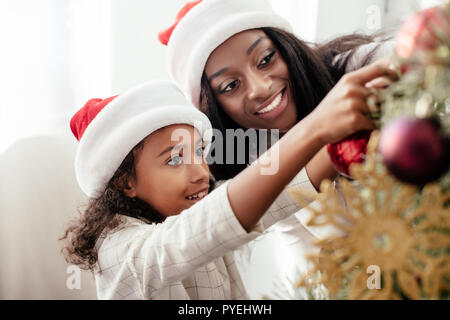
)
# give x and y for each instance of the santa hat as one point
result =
(109, 129)
(201, 26)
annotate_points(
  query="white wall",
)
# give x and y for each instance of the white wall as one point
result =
(89, 57)
(364, 16)
(137, 55)
(346, 16)
(301, 14)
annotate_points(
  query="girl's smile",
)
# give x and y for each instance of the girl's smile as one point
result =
(171, 175)
(198, 195)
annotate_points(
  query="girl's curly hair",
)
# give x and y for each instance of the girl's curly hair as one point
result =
(106, 213)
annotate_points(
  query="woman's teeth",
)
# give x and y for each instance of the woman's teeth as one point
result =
(197, 196)
(273, 105)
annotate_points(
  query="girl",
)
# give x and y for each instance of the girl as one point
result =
(239, 63)
(152, 230)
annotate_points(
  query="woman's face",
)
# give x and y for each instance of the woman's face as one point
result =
(250, 81)
(171, 172)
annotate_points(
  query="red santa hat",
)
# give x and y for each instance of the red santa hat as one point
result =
(109, 129)
(201, 26)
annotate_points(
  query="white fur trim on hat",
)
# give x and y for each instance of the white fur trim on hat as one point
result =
(123, 123)
(204, 28)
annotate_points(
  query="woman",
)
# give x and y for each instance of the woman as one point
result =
(239, 62)
(207, 37)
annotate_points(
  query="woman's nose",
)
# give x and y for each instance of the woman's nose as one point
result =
(258, 85)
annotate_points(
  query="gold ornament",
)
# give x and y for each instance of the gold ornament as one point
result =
(383, 225)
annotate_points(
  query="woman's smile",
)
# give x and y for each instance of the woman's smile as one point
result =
(274, 106)
(250, 80)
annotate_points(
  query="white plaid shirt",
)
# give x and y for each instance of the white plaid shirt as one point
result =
(188, 256)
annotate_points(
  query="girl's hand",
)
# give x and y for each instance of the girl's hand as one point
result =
(342, 111)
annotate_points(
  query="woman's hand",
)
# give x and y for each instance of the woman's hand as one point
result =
(340, 114)
(387, 78)
(342, 111)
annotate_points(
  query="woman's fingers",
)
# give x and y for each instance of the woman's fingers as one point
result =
(374, 103)
(379, 83)
(378, 69)
(348, 107)
(371, 78)
(361, 106)
(366, 123)
(357, 91)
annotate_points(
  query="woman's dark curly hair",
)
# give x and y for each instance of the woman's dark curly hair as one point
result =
(313, 71)
(106, 213)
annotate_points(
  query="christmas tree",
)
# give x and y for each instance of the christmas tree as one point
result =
(392, 238)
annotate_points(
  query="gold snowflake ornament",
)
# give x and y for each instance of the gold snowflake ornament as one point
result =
(392, 240)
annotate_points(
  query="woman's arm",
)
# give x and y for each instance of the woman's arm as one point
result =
(340, 114)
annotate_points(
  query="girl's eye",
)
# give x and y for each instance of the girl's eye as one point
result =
(230, 87)
(176, 160)
(266, 60)
(199, 151)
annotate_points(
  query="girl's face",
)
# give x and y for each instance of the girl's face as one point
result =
(171, 172)
(250, 81)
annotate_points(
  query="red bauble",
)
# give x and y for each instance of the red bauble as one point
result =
(420, 32)
(349, 150)
(414, 150)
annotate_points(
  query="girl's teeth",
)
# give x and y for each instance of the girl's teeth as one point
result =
(273, 105)
(197, 196)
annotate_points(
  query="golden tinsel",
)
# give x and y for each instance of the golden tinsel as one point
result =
(402, 230)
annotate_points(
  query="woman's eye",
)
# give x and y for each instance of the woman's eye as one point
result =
(230, 87)
(175, 160)
(266, 60)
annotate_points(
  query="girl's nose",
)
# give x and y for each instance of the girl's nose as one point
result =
(199, 173)
(258, 86)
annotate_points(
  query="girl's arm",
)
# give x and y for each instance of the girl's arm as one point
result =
(155, 256)
(159, 255)
(321, 168)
